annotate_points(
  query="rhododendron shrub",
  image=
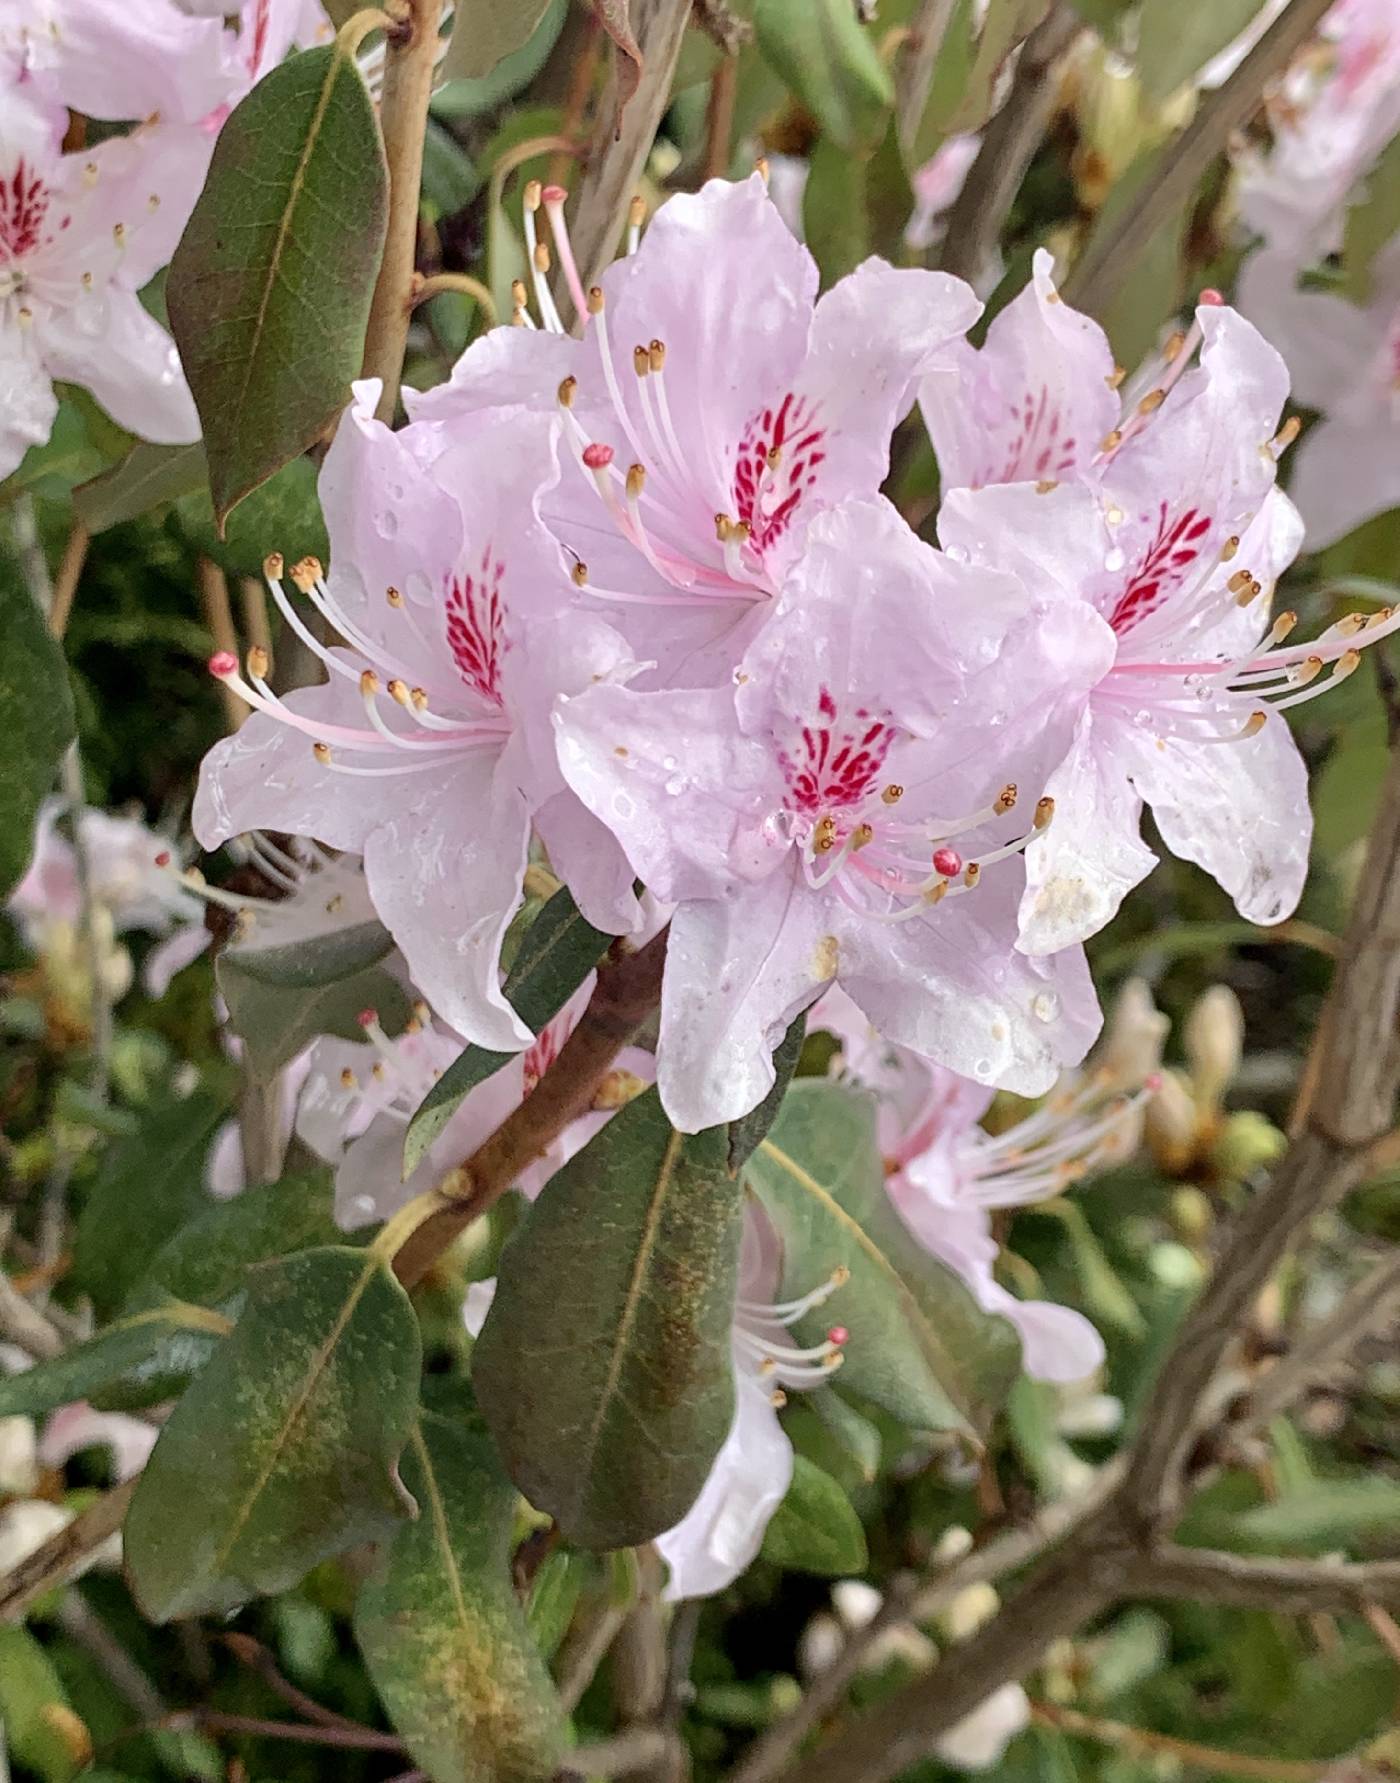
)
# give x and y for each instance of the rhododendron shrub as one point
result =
(668, 871)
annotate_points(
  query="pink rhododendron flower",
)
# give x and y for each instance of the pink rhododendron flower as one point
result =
(712, 407)
(77, 1426)
(358, 1100)
(841, 810)
(721, 1533)
(1172, 531)
(79, 235)
(1344, 360)
(429, 749)
(126, 60)
(946, 1174)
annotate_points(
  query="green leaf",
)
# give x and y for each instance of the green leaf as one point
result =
(920, 1347)
(814, 1529)
(1152, 288)
(485, 32)
(558, 952)
(745, 1134)
(1332, 1513)
(36, 721)
(604, 1366)
(82, 443)
(317, 960)
(147, 1187)
(128, 1344)
(1105, 1296)
(1005, 24)
(40, 1728)
(468, 98)
(284, 513)
(829, 60)
(1175, 41)
(270, 286)
(283, 1451)
(275, 1021)
(206, 1264)
(835, 219)
(441, 1628)
(855, 1433)
(148, 477)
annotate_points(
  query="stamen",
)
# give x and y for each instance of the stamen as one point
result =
(554, 199)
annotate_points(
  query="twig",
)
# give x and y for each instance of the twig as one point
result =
(261, 1127)
(626, 993)
(86, 1628)
(719, 118)
(1008, 145)
(724, 28)
(256, 1657)
(64, 1552)
(410, 56)
(462, 282)
(1287, 1587)
(918, 56)
(616, 161)
(1382, 1624)
(586, 1647)
(358, 1739)
(218, 616)
(1182, 163)
(1210, 1758)
(65, 582)
(622, 1756)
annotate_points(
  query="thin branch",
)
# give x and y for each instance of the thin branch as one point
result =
(1190, 1752)
(719, 118)
(257, 1658)
(409, 60)
(726, 29)
(628, 988)
(1182, 163)
(622, 1756)
(358, 1739)
(65, 1552)
(1008, 146)
(918, 56)
(1287, 1587)
(65, 582)
(81, 1623)
(616, 161)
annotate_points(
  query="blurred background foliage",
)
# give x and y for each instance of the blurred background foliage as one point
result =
(809, 86)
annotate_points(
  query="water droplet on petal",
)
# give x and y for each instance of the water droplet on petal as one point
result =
(1114, 561)
(1045, 1006)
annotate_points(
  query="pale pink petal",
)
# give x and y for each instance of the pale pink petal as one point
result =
(1327, 342)
(1035, 401)
(27, 402)
(1081, 869)
(980, 1739)
(723, 1530)
(1343, 473)
(504, 367)
(1057, 1343)
(588, 858)
(113, 348)
(139, 57)
(172, 955)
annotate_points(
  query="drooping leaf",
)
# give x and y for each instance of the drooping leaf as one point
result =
(829, 60)
(1001, 27)
(275, 1021)
(283, 1451)
(36, 721)
(317, 960)
(1175, 41)
(558, 952)
(615, 18)
(283, 513)
(485, 32)
(206, 1263)
(919, 1345)
(855, 1433)
(439, 1623)
(1330, 1514)
(814, 1529)
(128, 1344)
(745, 1134)
(148, 1186)
(604, 1366)
(270, 286)
(41, 1729)
(148, 477)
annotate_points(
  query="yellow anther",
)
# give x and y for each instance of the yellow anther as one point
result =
(1111, 441)
(394, 598)
(322, 752)
(1115, 377)
(419, 699)
(533, 193)
(1007, 797)
(1254, 724)
(398, 692)
(348, 1080)
(641, 361)
(861, 836)
(272, 566)
(369, 683)
(595, 300)
(1045, 485)
(518, 294)
(637, 211)
(972, 872)
(258, 663)
(307, 573)
(656, 355)
(1175, 343)
(541, 256)
(1151, 402)
(893, 793)
(580, 574)
(636, 480)
(566, 392)
(1044, 811)
(1229, 548)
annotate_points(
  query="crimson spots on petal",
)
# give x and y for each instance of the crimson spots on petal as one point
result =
(476, 627)
(1175, 547)
(835, 760)
(24, 203)
(765, 498)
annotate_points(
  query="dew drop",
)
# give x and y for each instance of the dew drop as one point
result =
(1045, 1006)
(1115, 560)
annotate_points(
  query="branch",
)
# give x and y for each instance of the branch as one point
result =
(409, 60)
(1008, 146)
(627, 991)
(66, 1550)
(1287, 1587)
(918, 55)
(1210, 1758)
(616, 161)
(1182, 163)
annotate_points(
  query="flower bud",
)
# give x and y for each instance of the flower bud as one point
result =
(968, 1611)
(1249, 1141)
(1131, 1049)
(1171, 1124)
(1214, 1041)
(1192, 1214)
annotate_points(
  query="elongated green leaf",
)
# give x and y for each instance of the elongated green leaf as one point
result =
(855, 1433)
(814, 1529)
(283, 513)
(485, 32)
(439, 1624)
(745, 1134)
(128, 1344)
(1176, 41)
(828, 58)
(919, 1346)
(604, 1366)
(41, 1730)
(1330, 1514)
(36, 721)
(283, 1451)
(318, 960)
(558, 952)
(148, 477)
(275, 1021)
(206, 1263)
(270, 286)
(149, 1185)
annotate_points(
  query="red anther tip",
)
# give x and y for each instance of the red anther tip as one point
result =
(948, 862)
(163, 858)
(1211, 298)
(838, 1334)
(597, 456)
(223, 662)
(554, 194)
(1154, 1083)
(367, 1017)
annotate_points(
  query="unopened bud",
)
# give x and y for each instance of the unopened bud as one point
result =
(1171, 1124)
(1248, 1142)
(1214, 1041)
(1131, 1049)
